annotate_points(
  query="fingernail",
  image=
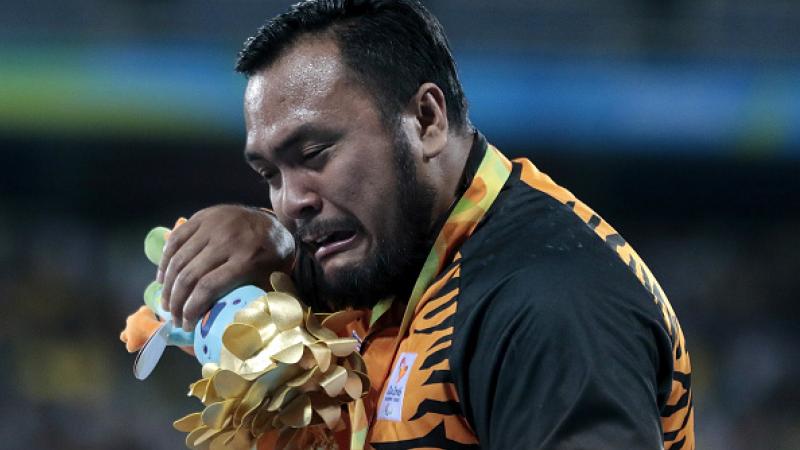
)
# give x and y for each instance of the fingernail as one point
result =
(186, 326)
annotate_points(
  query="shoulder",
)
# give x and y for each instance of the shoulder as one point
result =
(531, 250)
(534, 269)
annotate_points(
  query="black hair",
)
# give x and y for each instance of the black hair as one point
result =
(392, 46)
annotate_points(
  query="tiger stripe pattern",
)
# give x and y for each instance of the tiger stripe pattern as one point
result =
(432, 415)
(427, 366)
(677, 417)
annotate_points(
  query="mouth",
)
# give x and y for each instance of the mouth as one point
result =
(328, 244)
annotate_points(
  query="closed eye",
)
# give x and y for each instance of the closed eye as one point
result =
(315, 157)
(267, 175)
(314, 151)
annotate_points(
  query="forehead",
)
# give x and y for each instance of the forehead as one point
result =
(309, 83)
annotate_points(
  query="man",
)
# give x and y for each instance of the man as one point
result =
(503, 312)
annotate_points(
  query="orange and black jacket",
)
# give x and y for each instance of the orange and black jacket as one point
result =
(545, 331)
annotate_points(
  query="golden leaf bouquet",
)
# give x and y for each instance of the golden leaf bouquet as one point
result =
(282, 369)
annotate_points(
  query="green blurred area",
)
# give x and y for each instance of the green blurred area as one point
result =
(77, 91)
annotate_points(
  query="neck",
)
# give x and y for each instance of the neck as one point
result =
(450, 184)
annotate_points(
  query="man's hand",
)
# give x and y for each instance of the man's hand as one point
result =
(218, 249)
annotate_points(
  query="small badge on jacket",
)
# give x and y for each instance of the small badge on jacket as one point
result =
(391, 406)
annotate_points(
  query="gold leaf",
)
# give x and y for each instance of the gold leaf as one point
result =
(338, 321)
(290, 355)
(285, 339)
(264, 386)
(342, 346)
(334, 381)
(202, 445)
(215, 414)
(198, 388)
(302, 379)
(283, 395)
(241, 440)
(282, 282)
(322, 354)
(242, 340)
(210, 395)
(199, 435)
(188, 423)
(365, 383)
(286, 311)
(209, 369)
(206, 437)
(256, 311)
(308, 361)
(253, 367)
(220, 441)
(356, 362)
(229, 361)
(262, 422)
(353, 386)
(328, 409)
(316, 329)
(257, 315)
(331, 415)
(268, 332)
(246, 422)
(249, 375)
(255, 395)
(228, 384)
(297, 413)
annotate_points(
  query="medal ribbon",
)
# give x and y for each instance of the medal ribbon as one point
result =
(484, 188)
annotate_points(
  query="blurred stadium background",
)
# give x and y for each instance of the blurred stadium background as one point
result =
(677, 120)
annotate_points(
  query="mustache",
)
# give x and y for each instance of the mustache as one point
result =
(320, 227)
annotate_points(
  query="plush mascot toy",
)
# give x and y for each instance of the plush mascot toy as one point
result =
(271, 368)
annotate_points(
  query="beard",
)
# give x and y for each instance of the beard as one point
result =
(393, 266)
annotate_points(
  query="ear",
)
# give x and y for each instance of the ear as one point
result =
(429, 110)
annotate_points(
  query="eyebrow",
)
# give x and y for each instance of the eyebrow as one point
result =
(303, 132)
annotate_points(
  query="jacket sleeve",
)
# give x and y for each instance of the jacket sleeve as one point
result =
(553, 360)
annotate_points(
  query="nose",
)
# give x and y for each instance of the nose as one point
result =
(297, 198)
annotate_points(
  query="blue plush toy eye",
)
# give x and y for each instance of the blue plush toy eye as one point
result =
(208, 319)
(208, 333)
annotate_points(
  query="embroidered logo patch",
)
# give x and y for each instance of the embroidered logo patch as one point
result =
(391, 405)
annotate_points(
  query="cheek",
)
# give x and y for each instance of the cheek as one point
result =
(363, 183)
(275, 207)
(368, 197)
(380, 209)
(349, 182)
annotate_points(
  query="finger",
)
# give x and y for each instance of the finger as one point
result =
(211, 287)
(176, 239)
(186, 256)
(206, 261)
(179, 260)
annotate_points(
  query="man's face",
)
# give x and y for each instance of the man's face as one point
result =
(339, 178)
